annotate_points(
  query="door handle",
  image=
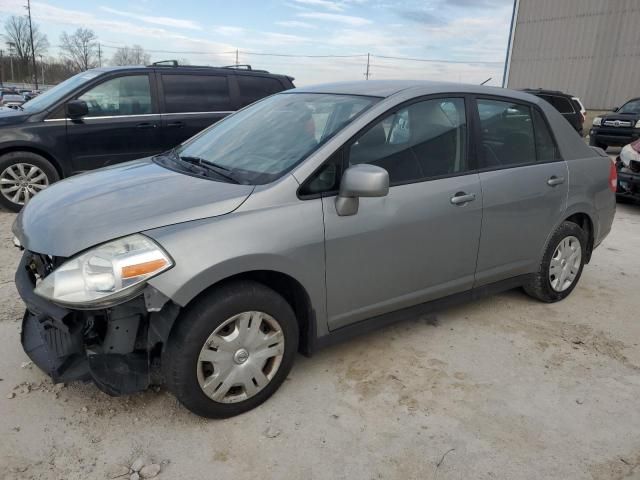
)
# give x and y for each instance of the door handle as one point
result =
(461, 198)
(176, 124)
(553, 181)
(146, 125)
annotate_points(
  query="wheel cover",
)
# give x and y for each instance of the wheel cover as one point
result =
(240, 357)
(565, 263)
(21, 181)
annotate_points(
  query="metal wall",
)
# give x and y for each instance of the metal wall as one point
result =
(589, 48)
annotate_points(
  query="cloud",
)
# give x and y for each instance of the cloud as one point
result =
(328, 4)
(228, 31)
(295, 24)
(334, 17)
(479, 3)
(164, 21)
(420, 16)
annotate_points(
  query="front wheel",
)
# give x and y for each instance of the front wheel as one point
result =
(23, 175)
(561, 265)
(231, 350)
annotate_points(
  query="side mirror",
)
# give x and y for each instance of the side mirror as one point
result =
(77, 109)
(360, 181)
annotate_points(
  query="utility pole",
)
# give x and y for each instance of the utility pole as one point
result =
(99, 55)
(33, 52)
(1, 70)
(367, 74)
(237, 61)
(42, 68)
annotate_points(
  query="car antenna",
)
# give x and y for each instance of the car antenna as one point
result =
(486, 80)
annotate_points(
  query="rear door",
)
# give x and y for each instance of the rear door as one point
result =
(524, 187)
(192, 101)
(123, 123)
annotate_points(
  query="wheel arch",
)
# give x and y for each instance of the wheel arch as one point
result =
(286, 286)
(38, 151)
(584, 221)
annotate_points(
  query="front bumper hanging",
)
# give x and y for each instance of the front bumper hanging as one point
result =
(117, 348)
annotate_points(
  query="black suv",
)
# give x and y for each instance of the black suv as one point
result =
(110, 115)
(568, 105)
(618, 128)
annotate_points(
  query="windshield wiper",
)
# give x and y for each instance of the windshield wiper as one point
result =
(209, 166)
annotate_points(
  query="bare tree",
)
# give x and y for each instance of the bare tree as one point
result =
(17, 35)
(134, 55)
(80, 48)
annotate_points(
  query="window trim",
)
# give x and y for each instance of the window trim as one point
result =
(103, 79)
(472, 160)
(478, 133)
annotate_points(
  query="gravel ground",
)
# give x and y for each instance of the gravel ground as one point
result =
(503, 388)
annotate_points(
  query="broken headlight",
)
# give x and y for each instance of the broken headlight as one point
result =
(106, 274)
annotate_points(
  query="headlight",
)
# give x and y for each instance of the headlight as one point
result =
(105, 274)
(597, 121)
(638, 124)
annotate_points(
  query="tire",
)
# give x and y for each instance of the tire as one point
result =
(184, 362)
(544, 285)
(23, 168)
(595, 143)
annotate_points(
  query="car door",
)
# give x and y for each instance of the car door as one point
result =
(420, 241)
(524, 183)
(191, 102)
(122, 124)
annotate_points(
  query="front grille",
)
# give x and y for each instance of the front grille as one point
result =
(617, 123)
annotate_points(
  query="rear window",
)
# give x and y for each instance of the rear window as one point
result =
(254, 88)
(196, 93)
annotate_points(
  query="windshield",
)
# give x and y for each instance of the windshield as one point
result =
(262, 142)
(51, 96)
(630, 107)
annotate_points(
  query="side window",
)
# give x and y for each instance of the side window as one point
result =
(326, 179)
(254, 88)
(545, 147)
(507, 137)
(196, 93)
(563, 105)
(119, 96)
(424, 140)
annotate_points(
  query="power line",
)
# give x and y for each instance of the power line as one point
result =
(434, 60)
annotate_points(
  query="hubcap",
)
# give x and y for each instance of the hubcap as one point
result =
(240, 357)
(565, 263)
(21, 181)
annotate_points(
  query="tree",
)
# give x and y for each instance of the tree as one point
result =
(17, 35)
(80, 49)
(134, 55)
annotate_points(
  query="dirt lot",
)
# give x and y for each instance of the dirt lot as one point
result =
(503, 388)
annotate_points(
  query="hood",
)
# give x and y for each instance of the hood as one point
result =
(93, 208)
(623, 117)
(13, 116)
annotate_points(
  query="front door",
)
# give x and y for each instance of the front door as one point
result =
(419, 242)
(122, 124)
(524, 183)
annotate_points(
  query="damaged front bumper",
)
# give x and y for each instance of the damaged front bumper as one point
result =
(118, 348)
(628, 180)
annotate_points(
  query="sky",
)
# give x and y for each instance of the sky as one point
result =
(468, 38)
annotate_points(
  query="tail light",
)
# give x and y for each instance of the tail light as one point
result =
(613, 177)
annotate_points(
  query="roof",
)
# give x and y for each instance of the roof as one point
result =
(192, 68)
(387, 88)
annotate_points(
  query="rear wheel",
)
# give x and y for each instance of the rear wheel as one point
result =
(231, 350)
(23, 175)
(561, 265)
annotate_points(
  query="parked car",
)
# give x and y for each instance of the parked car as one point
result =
(11, 100)
(618, 128)
(628, 163)
(110, 115)
(568, 105)
(299, 221)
